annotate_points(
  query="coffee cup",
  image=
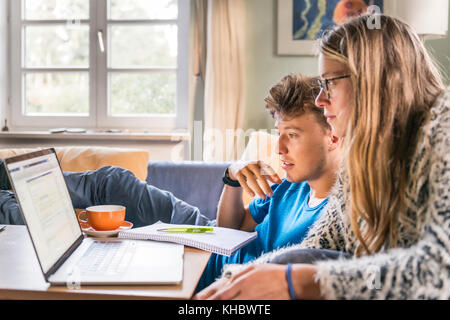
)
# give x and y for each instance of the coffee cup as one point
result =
(103, 217)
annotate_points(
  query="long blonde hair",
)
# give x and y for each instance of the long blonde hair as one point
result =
(395, 83)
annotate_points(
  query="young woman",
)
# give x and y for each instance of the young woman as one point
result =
(390, 208)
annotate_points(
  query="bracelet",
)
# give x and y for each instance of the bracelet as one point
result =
(226, 180)
(289, 281)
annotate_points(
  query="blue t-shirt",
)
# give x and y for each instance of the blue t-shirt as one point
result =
(283, 219)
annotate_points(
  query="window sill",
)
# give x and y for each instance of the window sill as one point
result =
(97, 135)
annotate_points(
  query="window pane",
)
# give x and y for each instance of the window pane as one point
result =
(142, 93)
(49, 46)
(56, 9)
(143, 45)
(143, 9)
(57, 93)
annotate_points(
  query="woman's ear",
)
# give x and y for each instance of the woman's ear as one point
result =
(333, 142)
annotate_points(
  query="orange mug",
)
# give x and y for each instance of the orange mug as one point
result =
(103, 217)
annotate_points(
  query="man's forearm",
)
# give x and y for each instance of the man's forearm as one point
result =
(231, 210)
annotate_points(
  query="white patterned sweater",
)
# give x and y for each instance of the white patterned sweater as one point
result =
(419, 268)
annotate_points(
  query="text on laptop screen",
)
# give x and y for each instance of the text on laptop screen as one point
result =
(46, 205)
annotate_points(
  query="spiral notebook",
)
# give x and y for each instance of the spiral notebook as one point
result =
(222, 241)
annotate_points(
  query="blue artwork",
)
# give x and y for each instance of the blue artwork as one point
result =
(311, 17)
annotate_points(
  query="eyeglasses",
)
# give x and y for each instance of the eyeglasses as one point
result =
(325, 84)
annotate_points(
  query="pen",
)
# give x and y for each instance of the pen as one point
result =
(2, 228)
(187, 230)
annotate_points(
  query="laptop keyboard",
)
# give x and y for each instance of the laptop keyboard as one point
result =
(108, 258)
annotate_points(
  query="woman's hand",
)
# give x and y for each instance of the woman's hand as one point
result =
(266, 281)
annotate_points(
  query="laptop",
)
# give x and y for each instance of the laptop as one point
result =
(65, 255)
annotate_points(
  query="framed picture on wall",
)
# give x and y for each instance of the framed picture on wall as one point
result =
(301, 22)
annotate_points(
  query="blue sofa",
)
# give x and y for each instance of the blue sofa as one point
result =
(197, 183)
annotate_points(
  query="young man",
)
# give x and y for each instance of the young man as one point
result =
(281, 215)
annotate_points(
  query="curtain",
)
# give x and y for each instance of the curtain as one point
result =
(224, 94)
(198, 59)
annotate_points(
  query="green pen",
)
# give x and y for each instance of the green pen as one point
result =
(187, 230)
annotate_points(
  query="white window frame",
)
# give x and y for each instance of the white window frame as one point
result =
(99, 117)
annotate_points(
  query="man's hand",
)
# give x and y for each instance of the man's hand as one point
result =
(253, 176)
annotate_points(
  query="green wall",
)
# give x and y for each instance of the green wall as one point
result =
(440, 50)
(265, 68)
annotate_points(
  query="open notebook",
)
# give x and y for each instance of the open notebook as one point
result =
(222, 241)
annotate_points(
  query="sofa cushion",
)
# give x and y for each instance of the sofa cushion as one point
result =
(79, 159)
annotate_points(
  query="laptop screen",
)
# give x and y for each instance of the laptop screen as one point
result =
(46, 205)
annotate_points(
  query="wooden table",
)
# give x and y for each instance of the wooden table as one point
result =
(21, 276)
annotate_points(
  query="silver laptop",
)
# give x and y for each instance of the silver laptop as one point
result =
(68, 258)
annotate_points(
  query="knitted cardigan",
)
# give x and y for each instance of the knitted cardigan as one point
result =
(419, 266)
